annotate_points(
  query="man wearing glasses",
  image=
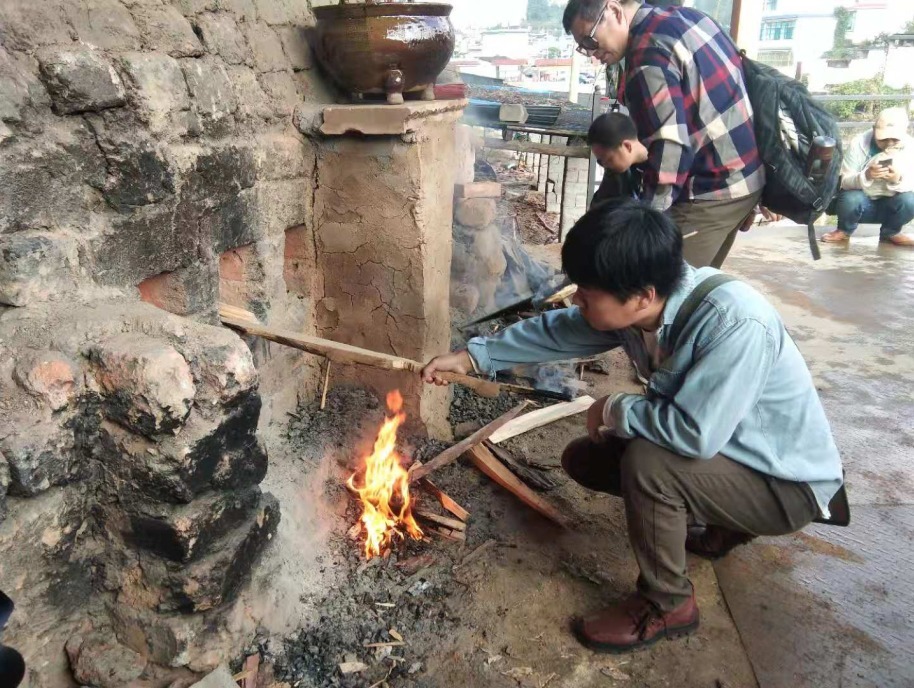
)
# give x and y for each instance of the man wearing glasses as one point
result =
(683, 85)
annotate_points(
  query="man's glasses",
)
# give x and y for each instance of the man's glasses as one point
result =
(589, 44)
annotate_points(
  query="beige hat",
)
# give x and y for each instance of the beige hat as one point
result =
(891, 123)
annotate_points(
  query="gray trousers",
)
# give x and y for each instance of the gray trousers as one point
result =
(661, 489)
(716, 222)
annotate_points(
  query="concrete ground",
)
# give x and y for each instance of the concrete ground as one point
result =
(835, 606)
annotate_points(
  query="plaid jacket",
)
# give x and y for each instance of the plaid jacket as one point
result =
(683, 85)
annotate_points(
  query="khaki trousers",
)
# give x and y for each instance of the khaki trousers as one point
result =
(661, 489)
(716, 222)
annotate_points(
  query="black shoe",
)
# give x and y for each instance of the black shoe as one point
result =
(714, 542)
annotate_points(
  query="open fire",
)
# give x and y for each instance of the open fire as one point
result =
(382, 485)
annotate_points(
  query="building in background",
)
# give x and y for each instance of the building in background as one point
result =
(513, 42)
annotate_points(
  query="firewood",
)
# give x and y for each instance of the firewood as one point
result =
(444, 499)
(326, 386)
(540, 417)
(486, 462)
(451, 454)
(533, 478)
(449, 534)
(451, 523)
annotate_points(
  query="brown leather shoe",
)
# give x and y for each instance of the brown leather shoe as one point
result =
(714, 542)
(635, 623)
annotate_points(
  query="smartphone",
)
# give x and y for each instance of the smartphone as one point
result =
(885, 163)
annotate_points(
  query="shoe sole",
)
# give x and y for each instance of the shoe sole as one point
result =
(670, 634)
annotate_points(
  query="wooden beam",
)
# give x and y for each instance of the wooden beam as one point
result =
(451, 454)
(547, 149)
(540, 417)
(486, 462)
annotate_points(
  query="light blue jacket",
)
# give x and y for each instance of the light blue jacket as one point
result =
(736, 384)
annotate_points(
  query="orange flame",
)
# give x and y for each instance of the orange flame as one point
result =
(384, 491)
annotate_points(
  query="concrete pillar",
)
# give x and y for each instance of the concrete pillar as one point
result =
(382, 217)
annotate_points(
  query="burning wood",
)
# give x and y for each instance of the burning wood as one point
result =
(382, 485)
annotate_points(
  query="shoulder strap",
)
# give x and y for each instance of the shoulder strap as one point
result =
(693, 300)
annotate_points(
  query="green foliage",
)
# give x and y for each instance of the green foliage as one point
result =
(543, 13)
(859, 110)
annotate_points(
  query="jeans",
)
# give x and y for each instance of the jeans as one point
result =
(891, 212)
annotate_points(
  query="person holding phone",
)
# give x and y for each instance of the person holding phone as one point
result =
(877, 181)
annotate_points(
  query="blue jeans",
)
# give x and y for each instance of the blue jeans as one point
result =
(891, 212)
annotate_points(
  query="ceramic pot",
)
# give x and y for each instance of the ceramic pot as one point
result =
(391, 48)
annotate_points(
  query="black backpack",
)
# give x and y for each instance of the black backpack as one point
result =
(788, 191)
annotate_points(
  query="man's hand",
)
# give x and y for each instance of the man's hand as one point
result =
(893, 176)
(595, 418)
(876, 171)
(769, 216)
(457, 362)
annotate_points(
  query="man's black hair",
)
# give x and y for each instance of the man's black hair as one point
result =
(611, 129)
(623, 248)
(587, 9)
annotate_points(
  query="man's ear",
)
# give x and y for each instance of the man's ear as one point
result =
(629, 146)
(614, 10)
(645, 298)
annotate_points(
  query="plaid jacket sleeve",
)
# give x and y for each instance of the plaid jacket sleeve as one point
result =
(654, 96)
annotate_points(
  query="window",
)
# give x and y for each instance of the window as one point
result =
(770, 6)
(776, 58)
(851, 20)
(777, 30)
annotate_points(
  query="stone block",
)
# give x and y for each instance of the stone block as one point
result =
(80, 80)
(299, 261)
(47, 182)
(282, 91)
(98, 660)
(465, 153)
(224, 369)
(186, 532)
(275, 12)
(20, 89)
(157, 87)
(220, 678)
(240, 276)
(223, 455)
(283, 156)
(165, 29)
(235, 222)
(147, 385)
(26, 25)
(39, 455)
(186, 291)
(49, 376)
(219, 173)
(146, 241)
(512, 112)
(215, 579)
(475, 212)
(253, 103)
(371, 119)
(36, 266)
(488, 252)
(266, 48)
(478, 190)
(464, 297)
(298, 50)
(222, 37)
(210, 88)
(105, 24)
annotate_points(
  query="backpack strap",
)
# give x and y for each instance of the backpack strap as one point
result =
(693, 300)
(813, 240)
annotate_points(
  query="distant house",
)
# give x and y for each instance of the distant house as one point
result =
(551, 69)
(507, 68)
(512, 43)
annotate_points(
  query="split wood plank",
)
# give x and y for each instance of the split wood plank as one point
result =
(544, 148)
(452, 453)
(532, 477)
(540, 417)
(445, 500)
(451, 523)
(486, 462)
(449, 534)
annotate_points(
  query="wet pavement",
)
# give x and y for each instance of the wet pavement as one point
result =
(834, 606)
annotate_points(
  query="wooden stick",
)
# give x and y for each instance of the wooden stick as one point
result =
(540, 417)
(475, 554)
(451, 454)
(449, 534)
(545, 148)
(483, 459)
(326, 385)
(445, 500)
(451, 523)
(531, 477)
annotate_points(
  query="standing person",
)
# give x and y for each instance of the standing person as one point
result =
(683, 85)
(730, 429)
(877, 181)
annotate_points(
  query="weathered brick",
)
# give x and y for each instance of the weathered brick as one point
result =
(240, 276)
(266, 48)
(186, 532)
(36, 266)
(298, 50)
(80, 80)
(186, 291)
(210, 88)
(475, 212)
(299, 262)
(106, 24)
(219, 173)
(224, 369)
(157, 86)
(222, 36)
(282, 89)
(164, 28)
(147, 385)
(40, 454)
(143, 242)
(49, 376)
(217, 578)
(205, 455)
(46, 182)
(281, 156)
(478, 190)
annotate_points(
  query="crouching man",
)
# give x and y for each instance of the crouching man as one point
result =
(730, 431)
